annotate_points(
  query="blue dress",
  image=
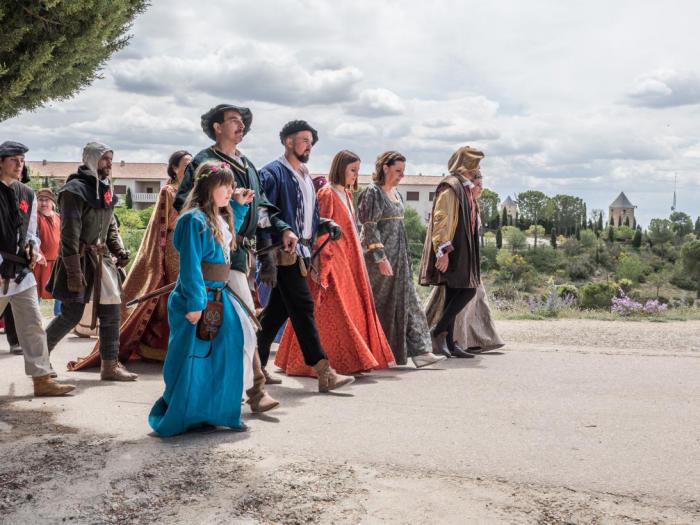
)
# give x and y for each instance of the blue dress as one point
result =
(203, 379)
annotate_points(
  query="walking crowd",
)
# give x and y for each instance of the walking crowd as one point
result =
(235, 258)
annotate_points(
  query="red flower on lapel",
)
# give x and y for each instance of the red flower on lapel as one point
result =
(108, 198)
(24, 206)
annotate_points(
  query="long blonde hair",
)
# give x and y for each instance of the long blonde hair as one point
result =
(209, 176)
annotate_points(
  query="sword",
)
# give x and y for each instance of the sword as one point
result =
(155, 293)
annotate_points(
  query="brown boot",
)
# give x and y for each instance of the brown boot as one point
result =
(45, 386)
(328, 379)
(258, 399)
(269, 380)
(113, 370)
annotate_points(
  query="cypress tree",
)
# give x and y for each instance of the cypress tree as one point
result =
(611, 233)
(504, 217)
(499, 239)
(627, 221)
(697, 226)
(128, 200)
(553, 238)
(52, 50)
(600, 222)
(637, 240)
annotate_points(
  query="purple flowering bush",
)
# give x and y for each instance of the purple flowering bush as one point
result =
(552, 304)
(625, 306)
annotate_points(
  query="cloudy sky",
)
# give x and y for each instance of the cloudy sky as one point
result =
(584, 98)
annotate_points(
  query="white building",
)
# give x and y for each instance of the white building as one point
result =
(144, 179)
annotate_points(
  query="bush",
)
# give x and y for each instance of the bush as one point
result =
(512, 266)
(625, 285)
(625, 306)
(624, 233)
(571, 247)
(631, 267)
(145, 215)
(488, 258)
(550, 305)
(567, 289)
(544, 259)
(580, 268)
(588, 239)
(598, 295)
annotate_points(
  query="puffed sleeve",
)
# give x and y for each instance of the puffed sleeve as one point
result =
(369, 211)
(444, 220)
(189, 239)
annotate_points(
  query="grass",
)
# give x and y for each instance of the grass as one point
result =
(522, 313)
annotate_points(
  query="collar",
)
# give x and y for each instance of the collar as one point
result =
(304, 172)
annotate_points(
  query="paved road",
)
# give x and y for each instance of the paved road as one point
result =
(536, 433)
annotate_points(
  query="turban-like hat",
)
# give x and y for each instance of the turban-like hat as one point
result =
(466, 157)
(209, 116)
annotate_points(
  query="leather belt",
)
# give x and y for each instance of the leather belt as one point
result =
(215, 271)
(246, 242)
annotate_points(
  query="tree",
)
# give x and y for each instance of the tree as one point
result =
(682, 223)
(128, 200)
(537, 231)
(499, 239)
(504, 217)
(658, 279)
(532, 206)
(637, 240)
(415, 232)
(660, 231)
(488, 204)
(690, 255)
(567, 211)
(50, 50)
(697, 226)
(553, 238)
(611, 233)
(515, 238)
(600, 221)
(627, 221)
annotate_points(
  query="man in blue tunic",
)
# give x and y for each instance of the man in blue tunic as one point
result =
(289, 187)
(226, 125)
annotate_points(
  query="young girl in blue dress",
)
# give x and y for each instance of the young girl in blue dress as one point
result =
(205, 379)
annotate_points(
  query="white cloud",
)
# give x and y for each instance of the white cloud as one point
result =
(377, 103)
(665, 88)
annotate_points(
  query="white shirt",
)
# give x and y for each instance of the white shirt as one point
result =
(32, 237)
(308, 193)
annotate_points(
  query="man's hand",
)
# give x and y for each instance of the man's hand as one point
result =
(35, 257)
(289, 241)
(243, 195)
(385, 268)
(123, 258)
(442, 262)
(193, 317)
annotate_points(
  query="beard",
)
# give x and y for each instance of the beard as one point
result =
(303, 157)
(103, 173)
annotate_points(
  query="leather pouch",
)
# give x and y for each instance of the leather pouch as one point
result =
(286, 258)
(212, 317)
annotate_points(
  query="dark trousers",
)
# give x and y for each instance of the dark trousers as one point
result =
(290, 298)
(455, 301)
(10, 330)
(72, 312)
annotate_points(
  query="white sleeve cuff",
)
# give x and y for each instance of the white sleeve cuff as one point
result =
(441, 249)
(263, 218)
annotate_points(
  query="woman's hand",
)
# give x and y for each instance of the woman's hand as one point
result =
(193, 317)
(243, 195)
(385, 267)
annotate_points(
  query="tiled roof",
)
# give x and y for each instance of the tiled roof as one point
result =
(622, 202)
(128, 170)
(158, 170)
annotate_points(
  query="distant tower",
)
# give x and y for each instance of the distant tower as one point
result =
(675, 184)
(511, 209)
(621, 210)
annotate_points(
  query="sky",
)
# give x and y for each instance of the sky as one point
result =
(581, 98)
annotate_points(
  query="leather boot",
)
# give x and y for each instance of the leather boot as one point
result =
(113, 370)
(458, 351)
(269, 380)
(258, 399)
(45, 386)
(328, 379)
(440, 344)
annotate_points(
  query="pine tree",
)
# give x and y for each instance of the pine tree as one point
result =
(499, 239)
(600, 222)
(697, 226)
(128, 200)
(504, 217)
(51, 50)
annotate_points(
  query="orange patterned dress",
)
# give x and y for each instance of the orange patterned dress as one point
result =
(347, 321)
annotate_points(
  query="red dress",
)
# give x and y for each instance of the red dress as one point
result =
(347, 321)
(49, 231)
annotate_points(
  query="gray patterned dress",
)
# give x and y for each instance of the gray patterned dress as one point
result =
(383, 235)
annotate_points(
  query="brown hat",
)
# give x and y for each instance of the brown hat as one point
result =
(465, 157)
(46, 193)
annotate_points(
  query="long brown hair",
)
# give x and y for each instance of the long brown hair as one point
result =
(209, 176)
(339, 165)
(388, 158)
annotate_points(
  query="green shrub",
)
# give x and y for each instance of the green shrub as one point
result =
(588, 239)
(625, 285)
(145, 215)
(631, 267)
(580, 267)
(571, 247)
(568, 289)
(598, 296)
(544, 259)
(488, 258)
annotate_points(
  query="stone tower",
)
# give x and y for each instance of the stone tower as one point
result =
(622, 212)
